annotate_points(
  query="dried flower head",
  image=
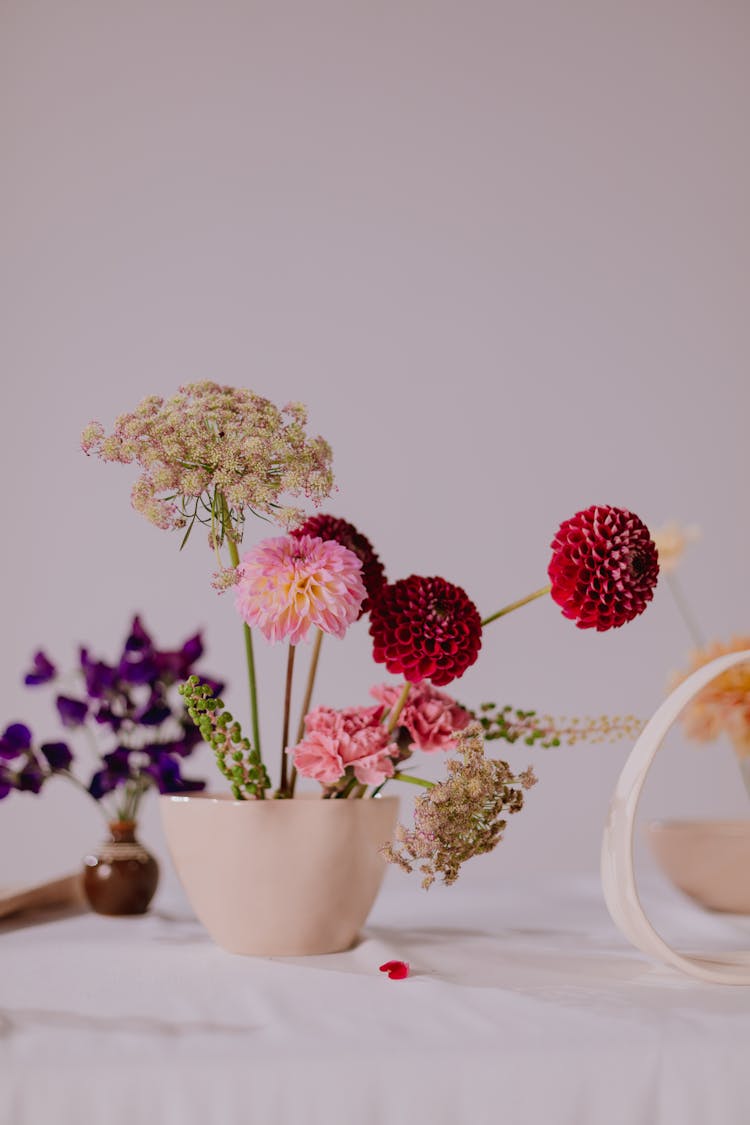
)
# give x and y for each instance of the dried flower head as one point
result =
(425, 629)
(212, 453)
(671, 541)
(285, 586)
(604, 567)
(723, 706)
(332, 527)
(547, 732)
(461, 817)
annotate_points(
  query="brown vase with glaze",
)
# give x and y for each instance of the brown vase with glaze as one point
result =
(121, 877)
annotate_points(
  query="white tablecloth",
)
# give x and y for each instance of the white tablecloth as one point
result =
(524, 1005)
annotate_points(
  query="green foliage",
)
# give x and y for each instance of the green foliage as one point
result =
(236, 757)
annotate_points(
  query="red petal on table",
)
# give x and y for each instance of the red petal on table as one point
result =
(397, 970)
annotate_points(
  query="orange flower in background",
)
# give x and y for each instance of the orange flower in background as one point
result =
(723, 707)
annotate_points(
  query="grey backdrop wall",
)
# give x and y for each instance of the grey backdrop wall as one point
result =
(500, 249)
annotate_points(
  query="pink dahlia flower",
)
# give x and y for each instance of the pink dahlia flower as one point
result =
(286, 586)
(604, 567)
(336, 740)
(345, 533)
(430, 716)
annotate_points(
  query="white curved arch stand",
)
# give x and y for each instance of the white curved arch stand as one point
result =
(618, 875)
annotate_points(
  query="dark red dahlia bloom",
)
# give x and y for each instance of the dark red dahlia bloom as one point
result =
(345, 533)
(604, 567)
(426, 629)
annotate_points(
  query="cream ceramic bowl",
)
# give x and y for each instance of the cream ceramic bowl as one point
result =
(709, 860)
(279, 878)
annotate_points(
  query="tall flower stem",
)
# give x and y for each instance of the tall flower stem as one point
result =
(684, 610)
(400, 704)
(284, 790)
(234, 555)
(517, 605)
(312, 672)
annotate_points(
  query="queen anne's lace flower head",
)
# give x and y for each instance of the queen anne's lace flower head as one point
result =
(604, 567)
(212, 453)
(286, 586)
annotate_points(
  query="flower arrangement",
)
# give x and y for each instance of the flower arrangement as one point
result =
(214, 455)
(127, 715)
(723, 706)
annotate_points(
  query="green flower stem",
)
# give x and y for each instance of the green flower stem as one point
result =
(684, 610)
(413, 780)
(284, 790)
(235, 559)
(400, 704)
(517, 605)
(315, 657)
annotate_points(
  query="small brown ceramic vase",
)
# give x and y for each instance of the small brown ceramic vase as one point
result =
(121, 877)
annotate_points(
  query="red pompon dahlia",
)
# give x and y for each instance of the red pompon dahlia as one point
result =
(604, 567)
(426, 629)
(345, 533)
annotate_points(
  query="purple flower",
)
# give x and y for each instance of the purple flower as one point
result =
(30, 779)
(178, 665)
(42, 671)
(100, 677)
(7, 784)
(138, 639)
(116, 772)
(72, 711)
(106, 716)
(154, 713)
(165, 770)
(58, 755)
(136, 668)
(15, 740)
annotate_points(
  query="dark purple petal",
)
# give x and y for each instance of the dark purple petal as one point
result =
(100, 677)
(192, 649)
(57, 754)
(7, 782)
(118, 762)
(106, 716)
(156, 750)
(30, 779)
(139, 639)
(42, 670)
(189, 785)
(72, 711)
(165, 771)
(191, 737)
(138, 670)
(153, 714)
(15, 740)
(101, 784)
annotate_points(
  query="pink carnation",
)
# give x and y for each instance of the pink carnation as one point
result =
(318, 757)
(430, 716)
(335, 740)
(286, 586)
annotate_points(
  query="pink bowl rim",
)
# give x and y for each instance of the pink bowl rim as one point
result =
(713, 827)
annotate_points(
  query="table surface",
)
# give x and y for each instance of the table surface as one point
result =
(523, 1001)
